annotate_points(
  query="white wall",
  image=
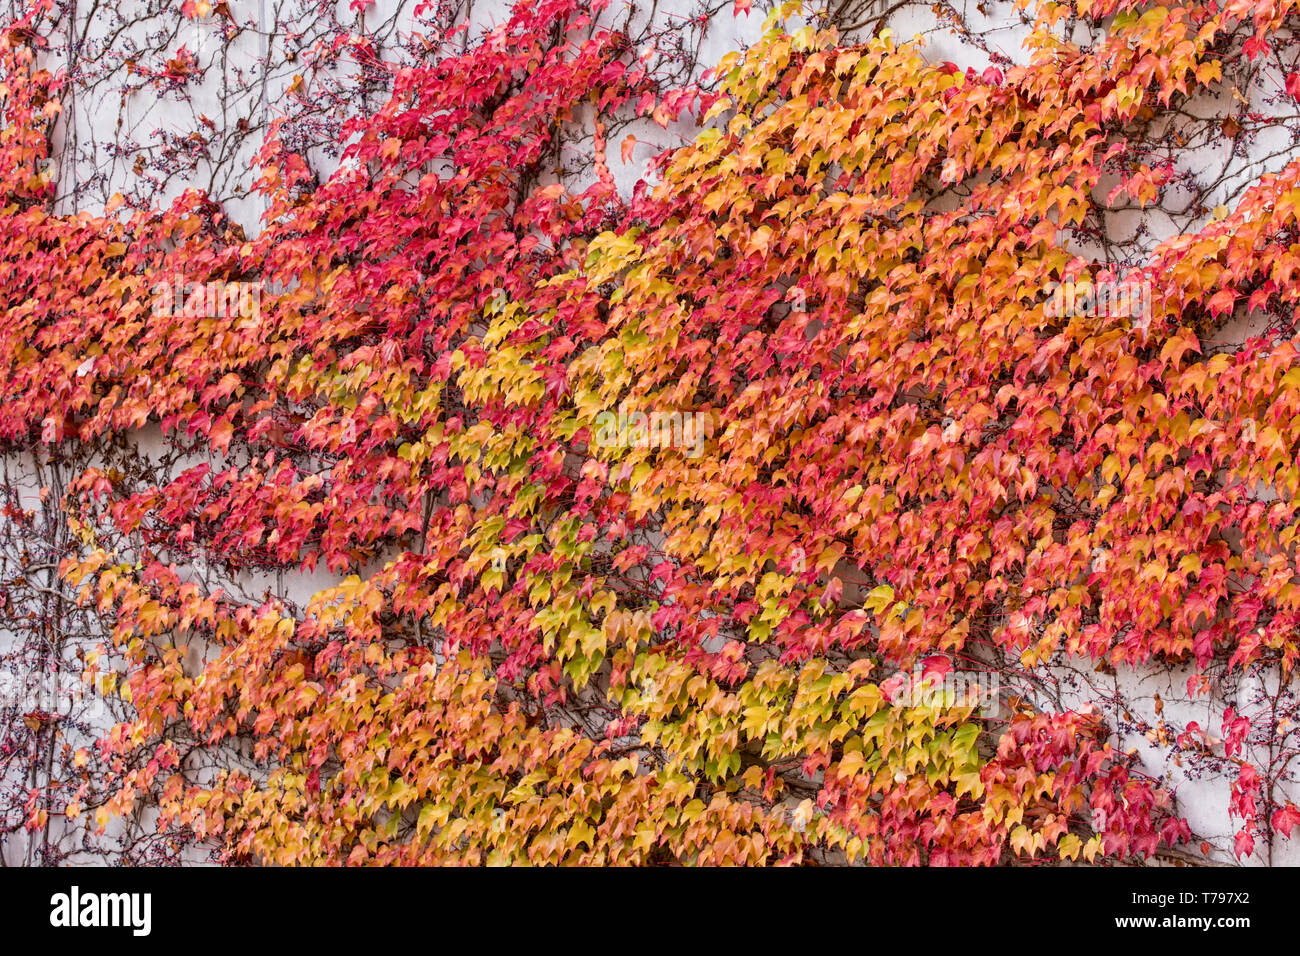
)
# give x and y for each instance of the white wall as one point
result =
(238, 88)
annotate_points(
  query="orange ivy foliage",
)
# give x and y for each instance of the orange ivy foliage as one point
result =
(876, 449)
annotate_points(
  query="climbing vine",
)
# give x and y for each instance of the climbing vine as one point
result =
(808, 506)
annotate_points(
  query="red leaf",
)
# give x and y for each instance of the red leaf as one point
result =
(1254, 47)
(1284, 820)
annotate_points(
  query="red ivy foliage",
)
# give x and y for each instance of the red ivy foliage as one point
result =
(648, 511)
